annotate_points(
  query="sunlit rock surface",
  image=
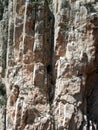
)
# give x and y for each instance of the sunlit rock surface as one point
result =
(49, 64)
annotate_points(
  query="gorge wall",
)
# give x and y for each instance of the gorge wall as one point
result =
(49, 64)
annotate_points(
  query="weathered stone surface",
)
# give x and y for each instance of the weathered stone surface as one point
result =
(49, 64)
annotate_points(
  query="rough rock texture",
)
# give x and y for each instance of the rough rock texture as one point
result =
(75, 47)
(49, 64)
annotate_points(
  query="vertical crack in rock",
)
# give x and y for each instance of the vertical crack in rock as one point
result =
(3, 46)
(3, 101)
(3, 36)
(50, 66)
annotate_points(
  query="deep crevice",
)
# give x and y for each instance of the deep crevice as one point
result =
(51, 66)
(91, 87)
(3, 101)
(92, 101)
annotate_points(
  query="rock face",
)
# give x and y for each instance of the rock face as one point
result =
(49, 64)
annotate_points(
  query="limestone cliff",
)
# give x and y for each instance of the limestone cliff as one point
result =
(49, 64)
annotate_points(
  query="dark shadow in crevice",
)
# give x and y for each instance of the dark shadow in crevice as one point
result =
(1, 10)
(50, 67)
(92, 100)
(3, 101)
(90, 92)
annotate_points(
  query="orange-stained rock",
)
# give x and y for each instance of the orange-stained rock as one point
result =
(49, 64)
